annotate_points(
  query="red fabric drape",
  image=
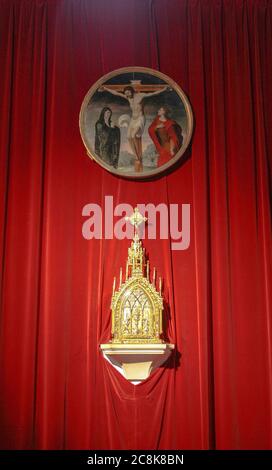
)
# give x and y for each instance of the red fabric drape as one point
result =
(56, 392)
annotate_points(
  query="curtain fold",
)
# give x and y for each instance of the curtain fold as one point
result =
(56, 390)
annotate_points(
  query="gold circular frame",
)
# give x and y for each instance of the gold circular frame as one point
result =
(172, 85)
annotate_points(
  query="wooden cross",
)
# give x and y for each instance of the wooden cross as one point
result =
(136, 85)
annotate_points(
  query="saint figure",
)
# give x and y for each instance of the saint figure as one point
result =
(166, 135)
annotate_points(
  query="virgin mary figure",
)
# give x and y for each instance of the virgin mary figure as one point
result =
(107, 138)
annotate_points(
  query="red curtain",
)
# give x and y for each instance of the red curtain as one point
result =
(56, 391)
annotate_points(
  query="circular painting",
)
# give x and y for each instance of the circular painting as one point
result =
(136, 122)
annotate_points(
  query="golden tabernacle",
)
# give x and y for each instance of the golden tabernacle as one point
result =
(136, 306)
(137, 344)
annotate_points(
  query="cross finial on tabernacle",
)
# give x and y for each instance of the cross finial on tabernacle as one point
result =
(136, 218)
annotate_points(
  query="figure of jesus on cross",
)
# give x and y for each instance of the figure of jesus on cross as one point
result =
(135, 93)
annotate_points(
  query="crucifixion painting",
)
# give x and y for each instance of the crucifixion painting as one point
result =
(135, 95)
(135, 122)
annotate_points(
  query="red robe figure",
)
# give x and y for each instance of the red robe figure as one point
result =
(166, 135)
